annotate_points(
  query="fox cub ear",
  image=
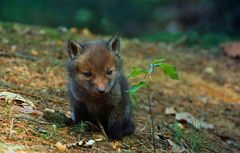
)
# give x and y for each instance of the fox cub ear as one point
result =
(74, 48)
(114, 44)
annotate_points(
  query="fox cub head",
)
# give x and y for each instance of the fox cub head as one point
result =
(95, 65)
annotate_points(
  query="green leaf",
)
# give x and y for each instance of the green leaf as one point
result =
(137, 71)
(170, 70)
(136, 87)
(157, 62)
(135, 98)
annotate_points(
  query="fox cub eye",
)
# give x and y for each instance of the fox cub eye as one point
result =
(109, 72)
(87, 74)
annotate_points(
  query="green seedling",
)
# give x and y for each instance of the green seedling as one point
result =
(168, 69)
(80, 127)
(52, 133)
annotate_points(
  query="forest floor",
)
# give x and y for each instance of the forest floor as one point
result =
(33, 61)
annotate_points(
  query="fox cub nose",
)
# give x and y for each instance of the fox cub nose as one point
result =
(101, 90)
(101, 87)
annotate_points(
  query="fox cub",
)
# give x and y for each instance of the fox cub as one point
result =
(97, 87)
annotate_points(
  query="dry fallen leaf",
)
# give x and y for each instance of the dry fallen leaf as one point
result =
(198, 124)
(99, 137)
(186, 117)
(60, 146)
(33, 112)
(116, 146)
(12, 97)
(49, 110)
(34, 52)
(82, 143)
(89, 143)
(170, 111)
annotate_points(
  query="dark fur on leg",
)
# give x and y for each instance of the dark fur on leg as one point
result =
(114, 131)
(69, 122)
(80, 113)
(128, 127)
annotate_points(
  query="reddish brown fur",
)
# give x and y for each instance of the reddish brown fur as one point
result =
(88, 73)
(97, 59)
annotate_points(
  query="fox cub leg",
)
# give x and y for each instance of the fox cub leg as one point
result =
(114, 126)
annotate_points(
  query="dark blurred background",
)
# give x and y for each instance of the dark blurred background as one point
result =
(129, 17)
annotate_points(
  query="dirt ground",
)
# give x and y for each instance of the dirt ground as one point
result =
(33, 61)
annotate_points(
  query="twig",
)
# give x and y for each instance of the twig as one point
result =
(142, 144)
(101, 127)
(11, 118)
(99, 150)
(207, 148)
(184, 145)
(11, 127)
(150, 107)
(144, 127)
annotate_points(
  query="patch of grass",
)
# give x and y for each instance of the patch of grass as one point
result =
(52, 33)
(191, 139)
(55, 133)
(161, 36)
(57, 118)
(52, 133)
(46, 135)
(190, 38)
(80, 127)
